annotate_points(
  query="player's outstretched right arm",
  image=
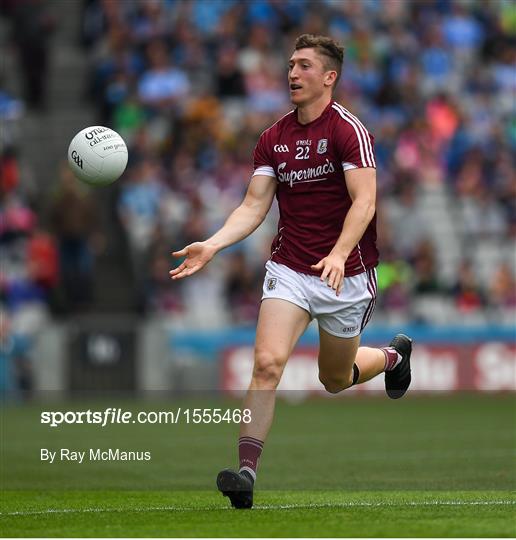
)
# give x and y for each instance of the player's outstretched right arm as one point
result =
(241, 223)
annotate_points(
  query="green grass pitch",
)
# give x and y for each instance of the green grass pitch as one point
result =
(437, 465)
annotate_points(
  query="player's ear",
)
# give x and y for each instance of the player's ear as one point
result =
(330, 78)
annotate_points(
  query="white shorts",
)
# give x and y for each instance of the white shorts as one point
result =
(343, 316)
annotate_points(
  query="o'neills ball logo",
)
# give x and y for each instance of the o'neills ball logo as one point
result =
(311, 174)
(98, 135)
(96, 131)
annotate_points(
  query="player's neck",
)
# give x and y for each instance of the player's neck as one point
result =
(311, 111)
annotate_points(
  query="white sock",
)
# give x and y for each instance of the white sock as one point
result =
(250, 471)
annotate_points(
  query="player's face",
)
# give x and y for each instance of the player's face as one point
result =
(307, 77)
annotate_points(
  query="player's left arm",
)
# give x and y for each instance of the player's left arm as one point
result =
(361, 184)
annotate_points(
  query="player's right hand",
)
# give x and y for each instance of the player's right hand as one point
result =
(197, 256)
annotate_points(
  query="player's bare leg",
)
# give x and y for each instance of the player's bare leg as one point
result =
(280, 324)
(336, 359)
(343, 363)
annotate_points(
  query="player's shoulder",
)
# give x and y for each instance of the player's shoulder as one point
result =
(278, 126)
(343, 119)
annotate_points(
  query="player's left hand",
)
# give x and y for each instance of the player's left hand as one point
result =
(332, 270)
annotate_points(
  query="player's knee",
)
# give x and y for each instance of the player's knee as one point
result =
(335, 383)
(267, 371)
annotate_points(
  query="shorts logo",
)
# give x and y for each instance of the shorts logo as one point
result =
(350, 329)
(271, 283)
(280, 148)
(322, 146)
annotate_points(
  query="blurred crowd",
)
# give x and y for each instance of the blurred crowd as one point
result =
(191, 84)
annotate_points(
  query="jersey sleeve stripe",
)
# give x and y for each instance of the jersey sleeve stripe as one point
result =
(368, 137)
(363, 130)
(264, 170)
(359, 136)
(347, 166)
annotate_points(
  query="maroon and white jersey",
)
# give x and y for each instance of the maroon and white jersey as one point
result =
(308, 162)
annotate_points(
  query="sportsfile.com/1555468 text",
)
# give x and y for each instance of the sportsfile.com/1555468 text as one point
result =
(115, 415)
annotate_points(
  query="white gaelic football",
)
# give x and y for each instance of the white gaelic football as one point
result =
(97, 155)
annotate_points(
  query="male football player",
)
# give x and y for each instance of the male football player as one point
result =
(318, 161)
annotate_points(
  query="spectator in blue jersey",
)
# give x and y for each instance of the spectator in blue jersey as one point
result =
(14, 369)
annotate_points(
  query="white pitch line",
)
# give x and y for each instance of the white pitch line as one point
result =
(259, 507)
(394, 504)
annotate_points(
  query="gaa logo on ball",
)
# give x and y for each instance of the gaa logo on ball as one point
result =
(97, 155)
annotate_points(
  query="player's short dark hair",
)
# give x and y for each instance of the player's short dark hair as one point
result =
(332, 52)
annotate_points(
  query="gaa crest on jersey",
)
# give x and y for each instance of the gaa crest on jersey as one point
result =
(271, 283)
(322, 146)
(280, 148)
